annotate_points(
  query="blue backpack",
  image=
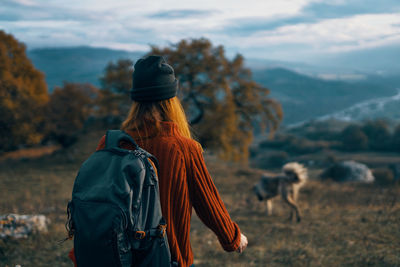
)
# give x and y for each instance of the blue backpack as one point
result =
(115, 214)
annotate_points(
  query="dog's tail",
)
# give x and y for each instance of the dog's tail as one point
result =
(299, 171)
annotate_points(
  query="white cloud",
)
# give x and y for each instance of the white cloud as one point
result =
(122, 46)
(43, 24)
(101, 21)
(133, 24)
(26, 2)
(229, 8)
(332, 35)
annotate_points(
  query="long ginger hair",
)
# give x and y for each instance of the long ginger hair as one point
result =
(145, 117)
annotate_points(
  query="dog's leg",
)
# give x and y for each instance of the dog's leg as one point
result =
(269, 207)
(295, 193)
(290, 215)
(287, 196)
(292, 204)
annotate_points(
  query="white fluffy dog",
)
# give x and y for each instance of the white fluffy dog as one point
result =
(287, 184)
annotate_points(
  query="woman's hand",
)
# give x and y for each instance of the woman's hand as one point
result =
(243, 243)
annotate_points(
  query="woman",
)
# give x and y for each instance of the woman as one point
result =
(158, 124)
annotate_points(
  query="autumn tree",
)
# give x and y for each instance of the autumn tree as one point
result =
(23, 96)
(224, 104)
(68, 109)
(114, 100)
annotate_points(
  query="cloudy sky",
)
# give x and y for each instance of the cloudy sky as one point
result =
(295, 30)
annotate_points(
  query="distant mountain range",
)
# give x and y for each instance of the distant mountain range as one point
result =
(351, 65)
(76, 64)
(303, 97)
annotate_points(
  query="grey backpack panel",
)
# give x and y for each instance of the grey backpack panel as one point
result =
(115, 212)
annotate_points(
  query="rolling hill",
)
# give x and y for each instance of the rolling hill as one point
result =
(76, 64)
(302, 97)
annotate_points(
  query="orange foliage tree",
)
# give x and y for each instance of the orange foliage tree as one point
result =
(222, 101)
(23, 96)
(68, 109)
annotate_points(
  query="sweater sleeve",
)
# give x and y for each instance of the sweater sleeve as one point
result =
(208, 204)
(102, 143)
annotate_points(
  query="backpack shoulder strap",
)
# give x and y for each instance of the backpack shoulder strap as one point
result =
(113, 137)
(147, 155)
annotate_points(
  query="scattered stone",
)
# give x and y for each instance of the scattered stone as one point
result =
(21, 226)
(349, 171)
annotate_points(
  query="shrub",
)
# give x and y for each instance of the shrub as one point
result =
(305, 146)
(294, 144)
(330, 159)
(273, 160)
(383, 176)
(278, 142)
(353, 138)
(322, 134)
(378, 134)
(396, 139)
(253, 151)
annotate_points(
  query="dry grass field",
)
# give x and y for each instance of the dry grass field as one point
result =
(343, 224)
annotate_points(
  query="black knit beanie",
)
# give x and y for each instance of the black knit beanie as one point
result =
(153, 80)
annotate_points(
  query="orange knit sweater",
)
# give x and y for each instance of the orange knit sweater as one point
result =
(184, 183)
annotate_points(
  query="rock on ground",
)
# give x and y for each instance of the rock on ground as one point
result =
(20, 226)
(349, 171)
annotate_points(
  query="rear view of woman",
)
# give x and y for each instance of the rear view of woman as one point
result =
(158, 124)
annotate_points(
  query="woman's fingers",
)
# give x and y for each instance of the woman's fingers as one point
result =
(243, 243)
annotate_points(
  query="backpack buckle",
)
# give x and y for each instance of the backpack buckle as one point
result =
(140, 234)
(162, 228)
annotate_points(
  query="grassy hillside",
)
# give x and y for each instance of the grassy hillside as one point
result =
(343, 224)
